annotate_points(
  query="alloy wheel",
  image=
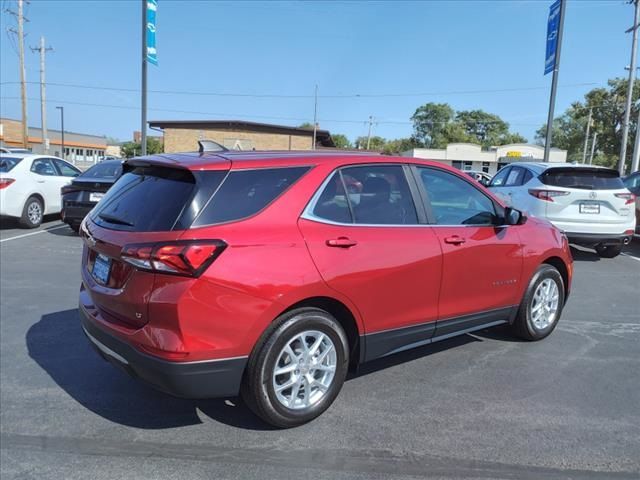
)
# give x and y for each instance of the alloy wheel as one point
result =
(544, 306)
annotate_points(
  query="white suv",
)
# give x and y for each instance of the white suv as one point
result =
(589, 204)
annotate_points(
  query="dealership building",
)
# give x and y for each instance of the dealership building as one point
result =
(469, 156)
(183, 135)
(78, 147)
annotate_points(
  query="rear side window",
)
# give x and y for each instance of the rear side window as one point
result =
(584, 178)
(7, 163)
(147, 199)
(109, 170)
(245, 192)
(500, 178)
(367, 195)
(65, 169)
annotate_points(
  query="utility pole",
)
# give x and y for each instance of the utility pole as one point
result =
(23, 76)
(315, 118)
(635, 159)
(593, 147)
(143, 120)
(632, 76)
(61, 131)
(554, 83)
(369, 134)
(43, 100)
(586, 137)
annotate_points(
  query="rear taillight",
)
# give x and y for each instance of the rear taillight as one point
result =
(186, 257)
(547, 195)
(68, 189)
(628, 197)
(5, 182)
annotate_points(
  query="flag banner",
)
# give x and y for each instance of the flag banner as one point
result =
(152, 54)
(553, 24)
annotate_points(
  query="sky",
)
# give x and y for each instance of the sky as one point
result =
(261, 61)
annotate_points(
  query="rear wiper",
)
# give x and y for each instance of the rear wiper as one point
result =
(112, 219)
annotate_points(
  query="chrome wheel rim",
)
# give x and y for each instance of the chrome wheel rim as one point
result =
(544, 307)
(34, 212)
(304, 370)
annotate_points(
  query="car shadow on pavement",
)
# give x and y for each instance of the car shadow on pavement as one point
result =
(584, 255)
(59, 346)
(62, 232)
(9, 223)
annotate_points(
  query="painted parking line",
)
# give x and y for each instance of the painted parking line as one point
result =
(631, 256)
(33, 233)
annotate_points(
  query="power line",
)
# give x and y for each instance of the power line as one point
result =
(270, 95)
(220, 114)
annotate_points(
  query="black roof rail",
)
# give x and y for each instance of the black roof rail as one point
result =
(210, 146)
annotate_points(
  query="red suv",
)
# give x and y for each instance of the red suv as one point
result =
(269, 274)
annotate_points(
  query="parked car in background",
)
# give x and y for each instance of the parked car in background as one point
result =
(632, 182)
(86, 190)
(481, 177)
(30, 186)
(589, 204)
(269, 274)
(13, 150)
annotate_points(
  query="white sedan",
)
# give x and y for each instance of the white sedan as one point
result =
(30, 186)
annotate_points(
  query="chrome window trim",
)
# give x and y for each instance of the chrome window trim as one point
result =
(307, 213)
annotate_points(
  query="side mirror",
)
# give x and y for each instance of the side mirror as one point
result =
(513, 216)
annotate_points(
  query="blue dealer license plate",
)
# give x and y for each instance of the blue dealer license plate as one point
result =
(101, 268)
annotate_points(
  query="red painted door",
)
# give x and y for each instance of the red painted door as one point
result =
(368, 246)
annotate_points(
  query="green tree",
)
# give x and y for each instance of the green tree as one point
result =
(430, 124)
(376, 143)
(607, 104)
(399, 145)
(436, 124)
(341, 141)
(132, 149)
(307, 125)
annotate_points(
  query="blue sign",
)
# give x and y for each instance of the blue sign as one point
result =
(553, 25)
(152, 54)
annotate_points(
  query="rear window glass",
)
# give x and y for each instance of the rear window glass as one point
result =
(7, 163)
(104, 170)
(584, 178)
(245, 193)
(147, 199)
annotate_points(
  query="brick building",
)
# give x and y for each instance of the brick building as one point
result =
(183, 135)
(78, 147)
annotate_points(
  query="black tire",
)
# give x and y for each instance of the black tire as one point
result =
(75, 227)
(608, 251)
(524, 325)
(29, 218)
(258, 389)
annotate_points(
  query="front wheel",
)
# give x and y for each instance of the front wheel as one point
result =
(298, 370)
(608, 251)
(541, 306)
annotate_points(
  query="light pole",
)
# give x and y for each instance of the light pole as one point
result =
(62, 131)
(632, 76)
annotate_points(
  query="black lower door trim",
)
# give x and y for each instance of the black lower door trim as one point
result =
(388, 342)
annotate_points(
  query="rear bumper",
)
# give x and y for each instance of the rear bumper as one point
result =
(201, 379)
(591, 239)
(74, 215)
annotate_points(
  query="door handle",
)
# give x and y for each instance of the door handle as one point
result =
(40, 181)
(341, 242)
(454, 239)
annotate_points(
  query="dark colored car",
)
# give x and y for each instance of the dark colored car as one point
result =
(86, 190)
(270, 274)
(632, 182)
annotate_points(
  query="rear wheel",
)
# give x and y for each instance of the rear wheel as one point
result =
(32, 213)
(299, 369)
(608, 251)
(541, 306)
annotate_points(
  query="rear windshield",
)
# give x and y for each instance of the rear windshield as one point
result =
(584, 178)
(7, 163)
(245, 193)
(108, 170)
(146, 199)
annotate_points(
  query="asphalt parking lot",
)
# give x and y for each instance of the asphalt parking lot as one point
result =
(479, 406)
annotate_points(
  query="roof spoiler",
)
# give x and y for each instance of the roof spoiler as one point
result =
(210, 146)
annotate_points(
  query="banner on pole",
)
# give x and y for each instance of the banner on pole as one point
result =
(152, 54)
(553, 25)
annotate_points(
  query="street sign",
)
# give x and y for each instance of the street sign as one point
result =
(152, 56)
(553, 25)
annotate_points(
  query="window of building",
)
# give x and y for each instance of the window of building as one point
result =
(468, 165)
